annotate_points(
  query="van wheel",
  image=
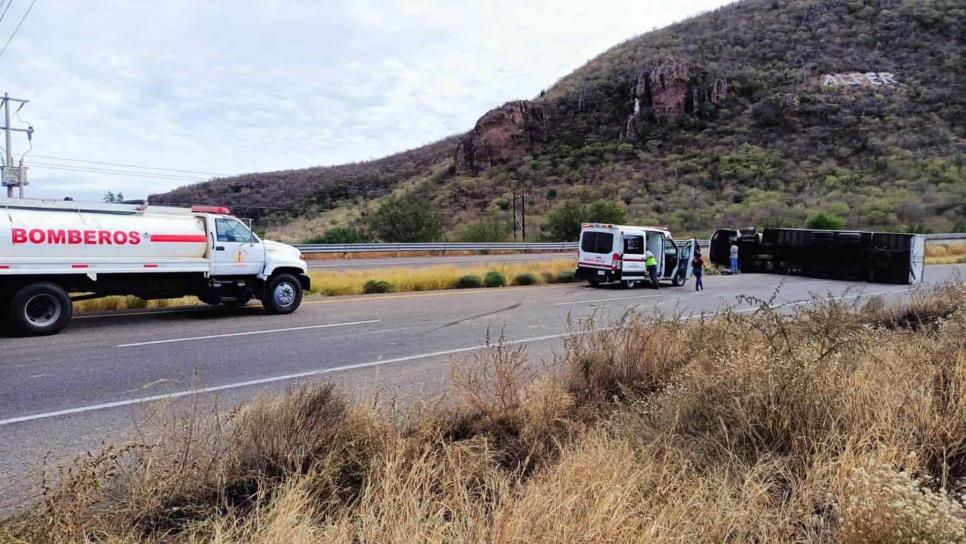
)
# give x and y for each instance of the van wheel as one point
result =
(677, 281)
(629, 284)
(594, 283)
(39, 309)
(283, 294)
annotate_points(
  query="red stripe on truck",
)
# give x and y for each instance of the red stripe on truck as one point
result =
(190, 238)
(78, 266)
(150, 266)
(4, 267)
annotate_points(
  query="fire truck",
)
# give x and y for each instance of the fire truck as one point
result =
(54, 252)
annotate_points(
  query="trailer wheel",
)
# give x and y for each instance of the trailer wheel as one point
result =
(39, 309)
(283, 294)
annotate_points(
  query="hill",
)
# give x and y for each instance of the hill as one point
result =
(760, 112)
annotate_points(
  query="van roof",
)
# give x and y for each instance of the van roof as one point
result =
(610, 226)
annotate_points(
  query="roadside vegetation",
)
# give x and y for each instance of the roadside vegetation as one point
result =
(353, 282)
(951, 253)
(841, 423)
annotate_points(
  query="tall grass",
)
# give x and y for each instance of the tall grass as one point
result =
(838, 424)
(946, 253)
(352, 282)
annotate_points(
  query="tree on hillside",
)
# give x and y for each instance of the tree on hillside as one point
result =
(826, 221)
(111, 197)
(563, 222)
(338, 235)
(486, 229)
(406, 219)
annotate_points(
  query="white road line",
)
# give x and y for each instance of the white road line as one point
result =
(319, 372)
(604, 300)
(249, 333)
(274, 379)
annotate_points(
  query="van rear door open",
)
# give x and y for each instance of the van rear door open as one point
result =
(632, 263)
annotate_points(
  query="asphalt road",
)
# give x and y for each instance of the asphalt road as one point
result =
(422, 262)
(67, 394)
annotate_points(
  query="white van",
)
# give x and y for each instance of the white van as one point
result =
(616, 253)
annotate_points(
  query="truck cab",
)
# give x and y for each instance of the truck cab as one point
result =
(618, 253)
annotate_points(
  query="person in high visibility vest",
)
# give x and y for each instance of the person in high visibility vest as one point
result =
(651, 263)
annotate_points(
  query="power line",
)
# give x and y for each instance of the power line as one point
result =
(4, 14)
(22, 19)
(115, 172)
(214, 174)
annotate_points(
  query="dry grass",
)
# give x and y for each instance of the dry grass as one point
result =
(111, 303)
(839, 424)
(351, 282)
(946, 253)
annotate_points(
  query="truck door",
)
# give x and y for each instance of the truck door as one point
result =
(235, 250)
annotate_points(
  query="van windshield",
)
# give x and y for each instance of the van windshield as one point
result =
(596, 242)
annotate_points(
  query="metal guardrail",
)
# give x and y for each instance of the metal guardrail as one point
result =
(438, 246)
(444, 246)
(945, 236)
(498, 246)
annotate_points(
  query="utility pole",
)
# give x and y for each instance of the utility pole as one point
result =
(523, 214)
(513, 199)
(13, 176)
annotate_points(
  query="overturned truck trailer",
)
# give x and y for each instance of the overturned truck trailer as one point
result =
(881, 257)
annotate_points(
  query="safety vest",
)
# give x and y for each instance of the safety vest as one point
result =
(651, 261)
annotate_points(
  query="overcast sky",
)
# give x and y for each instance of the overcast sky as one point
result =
(244, 86)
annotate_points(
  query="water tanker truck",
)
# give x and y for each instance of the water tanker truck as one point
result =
(54, 252)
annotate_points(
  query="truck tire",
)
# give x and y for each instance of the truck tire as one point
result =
(38, 309)
(283, 294)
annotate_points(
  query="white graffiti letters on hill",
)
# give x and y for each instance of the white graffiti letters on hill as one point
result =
(860, 79)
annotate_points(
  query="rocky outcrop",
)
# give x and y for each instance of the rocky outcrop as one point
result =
(668, 89)
(502, 134)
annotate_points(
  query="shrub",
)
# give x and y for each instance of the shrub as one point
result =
(563, 222)
(494, 279)
(490, 229)
(338, 235)
(525, 279)
(825, 221)
(406, 219)
(377, 286)
(468, 282)
(566, 276)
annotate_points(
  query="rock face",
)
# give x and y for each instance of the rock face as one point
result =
(502, 134)
(660, 91)
(668, 89)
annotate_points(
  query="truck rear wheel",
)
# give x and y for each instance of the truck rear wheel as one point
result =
(39, 309)
(283, 294)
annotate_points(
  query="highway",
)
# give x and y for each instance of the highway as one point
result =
(69, 393)
(435, 260)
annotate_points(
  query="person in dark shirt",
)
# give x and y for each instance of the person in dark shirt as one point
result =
(697, 265)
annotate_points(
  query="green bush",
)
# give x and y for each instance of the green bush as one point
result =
(488, 229)
(468, 282)
(525, 279)
(563, 222)
(338, 235)
(494, 279)
(826, 221)
(377, 286)
(406, 219)
(567, 276)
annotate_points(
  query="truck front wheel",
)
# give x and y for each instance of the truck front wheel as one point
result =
(39, 309)
(283, 294)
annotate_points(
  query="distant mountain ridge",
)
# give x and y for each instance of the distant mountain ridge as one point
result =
(760, 112)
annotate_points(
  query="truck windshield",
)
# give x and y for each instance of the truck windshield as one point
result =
(232, 230)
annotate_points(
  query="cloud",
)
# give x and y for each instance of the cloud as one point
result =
(245, 86)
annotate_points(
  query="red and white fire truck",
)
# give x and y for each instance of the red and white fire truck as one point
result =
(53, 252)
